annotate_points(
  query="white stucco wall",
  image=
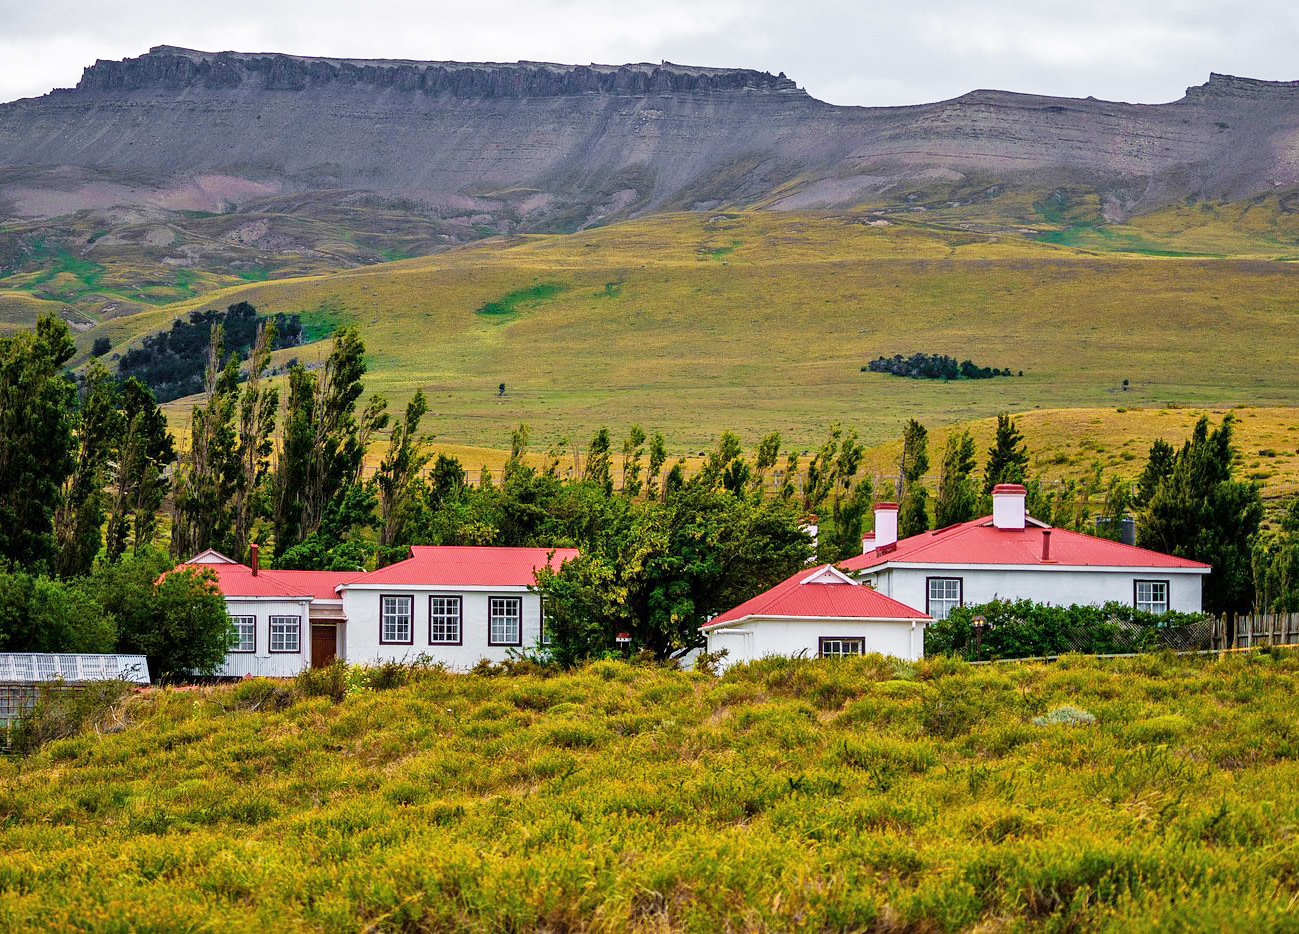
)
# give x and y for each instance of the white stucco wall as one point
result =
(362, 645)
(263, 662)
(759, 638)
(1055, 586)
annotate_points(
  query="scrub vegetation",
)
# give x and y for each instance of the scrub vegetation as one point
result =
(1154, 793)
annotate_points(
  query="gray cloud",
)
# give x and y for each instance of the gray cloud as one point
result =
(866, 53)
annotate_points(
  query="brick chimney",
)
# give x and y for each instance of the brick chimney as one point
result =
(886, 524)
(252, 559)
(1046, 544)
(1008, 505)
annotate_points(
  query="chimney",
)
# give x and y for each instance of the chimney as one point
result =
(1046, 544)
(1008, 505)
(868, 543)
(886, 524)
(252, 560)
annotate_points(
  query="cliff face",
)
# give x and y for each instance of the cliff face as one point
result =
(544, 146)
(174, 69)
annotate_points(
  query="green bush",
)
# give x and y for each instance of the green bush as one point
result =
(1024, 629)
(62, 712)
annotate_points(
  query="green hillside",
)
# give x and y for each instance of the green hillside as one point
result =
(1143, 794)
(692, 323)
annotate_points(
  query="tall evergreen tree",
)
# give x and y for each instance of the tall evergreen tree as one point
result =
(1199, 511)
(139, 481)
(1007, 458)
(36, 440)
(399, 471)
(658, 455)
(322, 441)
(958, 497)
(209, 468)
(913, 514)
(258, 402)
(1158, 467)
(79, 518)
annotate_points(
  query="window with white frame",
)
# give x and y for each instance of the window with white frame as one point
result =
(245, 633)
(395, 619)
(545, 625)
(505, 621)
(1152, 596)
(841, 648)
(944, 596)
(286, 633)
(443, 620)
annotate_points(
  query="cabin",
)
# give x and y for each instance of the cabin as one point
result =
(1009, 555)
(819, 612)
(452, 604)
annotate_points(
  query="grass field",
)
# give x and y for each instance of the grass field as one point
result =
(1144, 794)
(647, 321)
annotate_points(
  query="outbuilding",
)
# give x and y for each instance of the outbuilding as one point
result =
(819, 612)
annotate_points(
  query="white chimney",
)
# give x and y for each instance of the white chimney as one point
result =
(886, 524)
(868, 543)
(1008, 505)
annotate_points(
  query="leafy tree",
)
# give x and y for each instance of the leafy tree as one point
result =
(843, 536)
(958, 497)
(405, 458)
(79, 518)
(209, 469)
(257, 405)
(139, 482)
(36, 439)
(598, 467)
(40, 614)
(175, 618)
(632, 450)
(658, 455)
(1276, 565)
(1199, 511)
(101, 346)
(1159, 466)
(768, 454)
(323, 442)
(668, 568)
(1007, 458)
(913, 516)
(1118, 506)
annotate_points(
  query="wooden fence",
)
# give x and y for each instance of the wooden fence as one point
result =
(1261, 629)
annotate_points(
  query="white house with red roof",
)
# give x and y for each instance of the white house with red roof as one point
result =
(1009, 555)
(819, 612)
(457, 605)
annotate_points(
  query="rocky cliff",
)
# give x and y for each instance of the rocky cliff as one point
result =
(543, 146)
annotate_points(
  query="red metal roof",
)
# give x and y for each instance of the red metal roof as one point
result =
(804, 596)
(467, 566)
(980, 542)
(238, 580)
(428, 566)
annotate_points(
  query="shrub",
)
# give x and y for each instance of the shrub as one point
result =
(62, 712)
(1065, 716)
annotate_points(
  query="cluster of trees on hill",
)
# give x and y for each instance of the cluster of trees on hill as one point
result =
(83, 467)
(87, 464)
(932, 366)
(171, 362)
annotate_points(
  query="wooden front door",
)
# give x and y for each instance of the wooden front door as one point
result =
(324, 645)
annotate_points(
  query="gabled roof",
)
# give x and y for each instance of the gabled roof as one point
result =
(428, 566)
(466, 566)
(980, 542)
(819, 593)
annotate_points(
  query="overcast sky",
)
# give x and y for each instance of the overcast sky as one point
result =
(844, 51)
